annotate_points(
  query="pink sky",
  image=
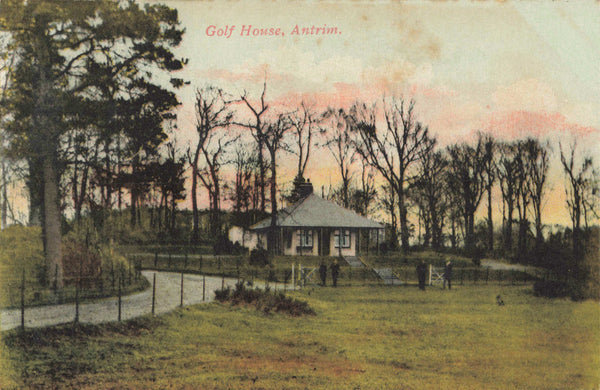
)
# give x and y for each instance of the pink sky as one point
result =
(514, 69)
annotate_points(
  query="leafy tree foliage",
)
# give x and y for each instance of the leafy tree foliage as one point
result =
(85, 64)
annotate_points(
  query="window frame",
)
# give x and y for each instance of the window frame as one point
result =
(346, 238)
(305, 238)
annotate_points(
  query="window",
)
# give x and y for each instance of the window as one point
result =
(306, 238)
(345, 239)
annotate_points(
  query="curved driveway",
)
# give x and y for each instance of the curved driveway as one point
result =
(168, 290)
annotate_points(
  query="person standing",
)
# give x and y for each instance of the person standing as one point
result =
(448, 275)
(421, 273)
(335, 271)
(323, 273)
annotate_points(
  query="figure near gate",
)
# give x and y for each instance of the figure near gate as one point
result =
(421, 273)
(323, 273)
(448, 275)
(335, 271)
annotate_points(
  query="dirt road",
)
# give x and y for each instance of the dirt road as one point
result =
(168, 290)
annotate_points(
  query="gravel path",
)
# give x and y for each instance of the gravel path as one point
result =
(168, 290)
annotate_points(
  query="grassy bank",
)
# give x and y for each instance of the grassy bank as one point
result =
(22, 265)
(365, 337)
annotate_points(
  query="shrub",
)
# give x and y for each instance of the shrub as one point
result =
(263, 300)
(551, 289)
(223, 246)
(223, 295)
(476, 255)
(259, 257)
(80, 261)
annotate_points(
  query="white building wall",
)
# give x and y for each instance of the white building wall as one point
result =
(245, 238)
(351, 251)
(305, 251)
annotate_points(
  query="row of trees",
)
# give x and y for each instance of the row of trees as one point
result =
(443, 187)
(83, 113)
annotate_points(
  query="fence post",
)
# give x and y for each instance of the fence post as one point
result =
(222, 281)
(293, 276)
(430, 272)
(55, 279)
(153, 292)
(119, 317)
(181, 300)
(155, 259)
(77, 302)
(112, 274)
(200, 263)
(203, 288)
(23, 300)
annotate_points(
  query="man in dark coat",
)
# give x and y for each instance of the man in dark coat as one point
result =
(335, 271)
(421, 274)
(323, 273)
(448, 275)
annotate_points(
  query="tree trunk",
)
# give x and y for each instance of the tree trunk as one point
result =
(4, 206)
(195, 212)
(508, 241)
(273, 230)
(490, 222)
(35, 184)
(539, 235)
(404, 233)
(262, 174)
(52, 221)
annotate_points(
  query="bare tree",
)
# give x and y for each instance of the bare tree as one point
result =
(429, 192)
(273, 141)
(582, 193)
(508, 174)
(338, 140)
(244, 166)
(303, 126)
(466, 179)
(394, 149)
(363, 197)
(212, 116)
(257, 128)
(523, 195)
(490, 171)
(537, 155)
(388, 202)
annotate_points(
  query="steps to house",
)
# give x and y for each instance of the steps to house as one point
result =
(354, 262)
(388, 276)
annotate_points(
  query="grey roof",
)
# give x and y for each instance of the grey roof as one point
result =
(314, 211)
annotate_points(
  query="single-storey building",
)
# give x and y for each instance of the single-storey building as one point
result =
(315, 226)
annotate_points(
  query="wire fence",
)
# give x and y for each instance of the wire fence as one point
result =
(296, 273)
(102, 284)
(187, 278)
(167, 291)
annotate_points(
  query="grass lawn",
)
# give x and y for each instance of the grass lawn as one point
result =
(362, 337)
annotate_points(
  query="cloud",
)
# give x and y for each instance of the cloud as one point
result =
(525, 95)
(519, 124)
